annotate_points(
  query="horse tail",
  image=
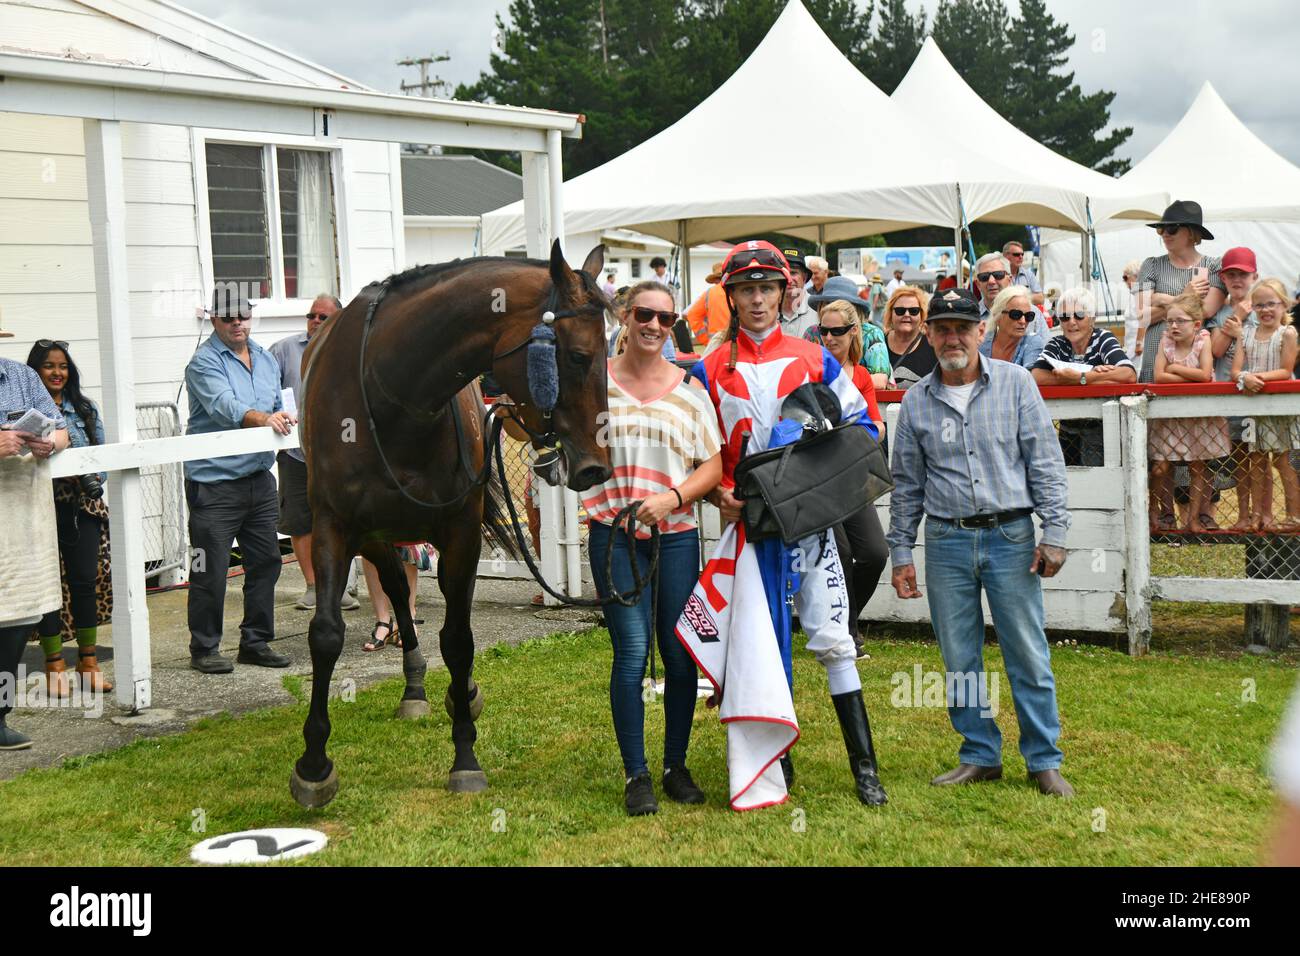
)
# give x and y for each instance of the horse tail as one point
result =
(497, 529)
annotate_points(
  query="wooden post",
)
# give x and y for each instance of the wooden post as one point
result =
(1137, 544)
(105, 192)
(1271, 557)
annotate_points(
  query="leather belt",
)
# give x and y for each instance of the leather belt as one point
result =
(990, 521)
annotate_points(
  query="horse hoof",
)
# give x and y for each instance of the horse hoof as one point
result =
(475, 703)
(412, 709)
(467, 781)
(313, 794)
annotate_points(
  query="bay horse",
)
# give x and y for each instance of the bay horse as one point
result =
(394, 440)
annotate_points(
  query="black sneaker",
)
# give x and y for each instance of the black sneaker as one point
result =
(680, 788)
(212, 664)
(11, 739)
(261, 656)
(639, 796)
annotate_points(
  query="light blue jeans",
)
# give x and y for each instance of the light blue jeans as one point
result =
(957, 563)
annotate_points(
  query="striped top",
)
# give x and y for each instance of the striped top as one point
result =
(654, 446)
(1102, 349)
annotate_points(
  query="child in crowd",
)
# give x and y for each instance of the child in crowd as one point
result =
(1267, 353)
(1185, 356)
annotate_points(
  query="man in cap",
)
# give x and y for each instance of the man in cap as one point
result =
(975, 454)
(895, 282)
(797, 315)
(747, 378)
(233, 383)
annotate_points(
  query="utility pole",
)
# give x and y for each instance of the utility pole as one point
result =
(426, 86)
(428, 89)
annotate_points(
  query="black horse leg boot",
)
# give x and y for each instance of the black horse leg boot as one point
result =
(852, 713)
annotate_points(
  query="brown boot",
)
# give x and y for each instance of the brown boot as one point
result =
(88, 671)
(56, 677)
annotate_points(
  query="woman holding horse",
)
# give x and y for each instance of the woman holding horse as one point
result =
(666, 451)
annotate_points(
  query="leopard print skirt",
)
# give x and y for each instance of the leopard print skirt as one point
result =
(67, 491)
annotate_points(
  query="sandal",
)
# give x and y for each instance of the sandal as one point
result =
(376, 643)
(1207, 522)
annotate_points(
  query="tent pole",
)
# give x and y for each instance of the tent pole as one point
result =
(821, 240)
(1085, 260)
(685, 259)
(956, 242)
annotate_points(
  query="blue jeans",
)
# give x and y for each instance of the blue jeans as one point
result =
(629, 631)
(957, 563)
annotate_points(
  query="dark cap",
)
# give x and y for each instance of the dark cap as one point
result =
(228, 302)
(954, 304)
(795, 258)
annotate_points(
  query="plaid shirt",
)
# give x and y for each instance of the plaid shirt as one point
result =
(1003, 456)
(21, 390)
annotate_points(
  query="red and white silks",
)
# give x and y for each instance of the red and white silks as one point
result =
(727, 629)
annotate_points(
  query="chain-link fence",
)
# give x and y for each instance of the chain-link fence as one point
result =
(1223, 496)
(162, 489)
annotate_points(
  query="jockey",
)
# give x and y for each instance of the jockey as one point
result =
(747, 379)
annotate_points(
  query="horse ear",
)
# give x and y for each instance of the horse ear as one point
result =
(561, 275)
(595, 261)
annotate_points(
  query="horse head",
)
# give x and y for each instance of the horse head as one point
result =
(562, 371)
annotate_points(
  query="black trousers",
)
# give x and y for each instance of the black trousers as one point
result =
(864, 554)
(12, 642)
(79, 544)
(220, 512)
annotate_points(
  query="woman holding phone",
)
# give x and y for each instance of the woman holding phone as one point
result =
(1163, 278)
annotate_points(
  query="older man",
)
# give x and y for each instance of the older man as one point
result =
(819, 270)
(291, 464)
(1014, 253)
(797, 315)
(27, 536)
(233, 383)
(992, 275)
(895, 282)
(975, 453)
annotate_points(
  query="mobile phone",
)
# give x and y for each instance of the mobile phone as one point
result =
(1200, 272)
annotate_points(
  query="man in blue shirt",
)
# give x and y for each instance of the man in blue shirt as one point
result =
(233, 383)
(975, 453)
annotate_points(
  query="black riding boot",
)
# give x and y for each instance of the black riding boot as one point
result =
(852, 713)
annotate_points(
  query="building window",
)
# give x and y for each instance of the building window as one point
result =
(636, 268)
(240, 201)
(237, 216)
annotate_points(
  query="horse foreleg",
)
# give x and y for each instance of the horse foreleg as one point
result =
(457, 567)
(314, 782)
(392, 576)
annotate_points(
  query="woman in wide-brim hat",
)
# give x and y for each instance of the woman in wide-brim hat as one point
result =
(875, 355)
(1163, 278)
(1160, 281)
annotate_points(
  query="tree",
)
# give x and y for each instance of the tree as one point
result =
(1048, 104)
(973, 35)
(893, 47)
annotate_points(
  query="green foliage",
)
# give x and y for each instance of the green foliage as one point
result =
(894, 45)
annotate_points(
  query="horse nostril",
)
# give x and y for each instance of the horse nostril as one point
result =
(591, 476)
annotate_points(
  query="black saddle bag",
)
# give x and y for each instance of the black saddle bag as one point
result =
(810, 485)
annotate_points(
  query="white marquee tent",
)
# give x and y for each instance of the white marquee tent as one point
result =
(1250, 195)
(932, 88)
(687, 185)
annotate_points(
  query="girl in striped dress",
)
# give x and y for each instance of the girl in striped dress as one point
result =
(665, 448)
(1268, 354)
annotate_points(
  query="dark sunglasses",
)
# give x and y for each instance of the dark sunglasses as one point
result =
(318, 315)
(1015, 255)
(907, 310)
(1075, 317)
(52, 344)
(985, 276)
(759, 257)
(836, 331)
(644, 315)
(230, 319)
(1016, 315)
(1167, 230)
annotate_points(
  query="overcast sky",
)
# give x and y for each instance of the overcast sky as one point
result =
(1155, 56)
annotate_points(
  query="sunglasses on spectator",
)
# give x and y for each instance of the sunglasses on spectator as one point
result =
(52, 344)
(1015, 255)
(318, 315)
(232, 319)
(907, 310)
(1000, 274)
(1016, 315)
(1167, 230)
(644, 315)
(835, 330)
(1075, 317)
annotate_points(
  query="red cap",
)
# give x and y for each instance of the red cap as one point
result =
(1239, 257)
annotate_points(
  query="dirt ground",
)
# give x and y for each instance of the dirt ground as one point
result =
(181, 696)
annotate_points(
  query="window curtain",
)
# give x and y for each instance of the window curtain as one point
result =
(316, 272)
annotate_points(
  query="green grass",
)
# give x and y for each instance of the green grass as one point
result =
(1164, 745)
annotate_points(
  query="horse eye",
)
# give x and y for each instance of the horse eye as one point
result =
(580, 359)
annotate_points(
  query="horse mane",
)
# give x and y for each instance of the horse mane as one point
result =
(435, 272)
